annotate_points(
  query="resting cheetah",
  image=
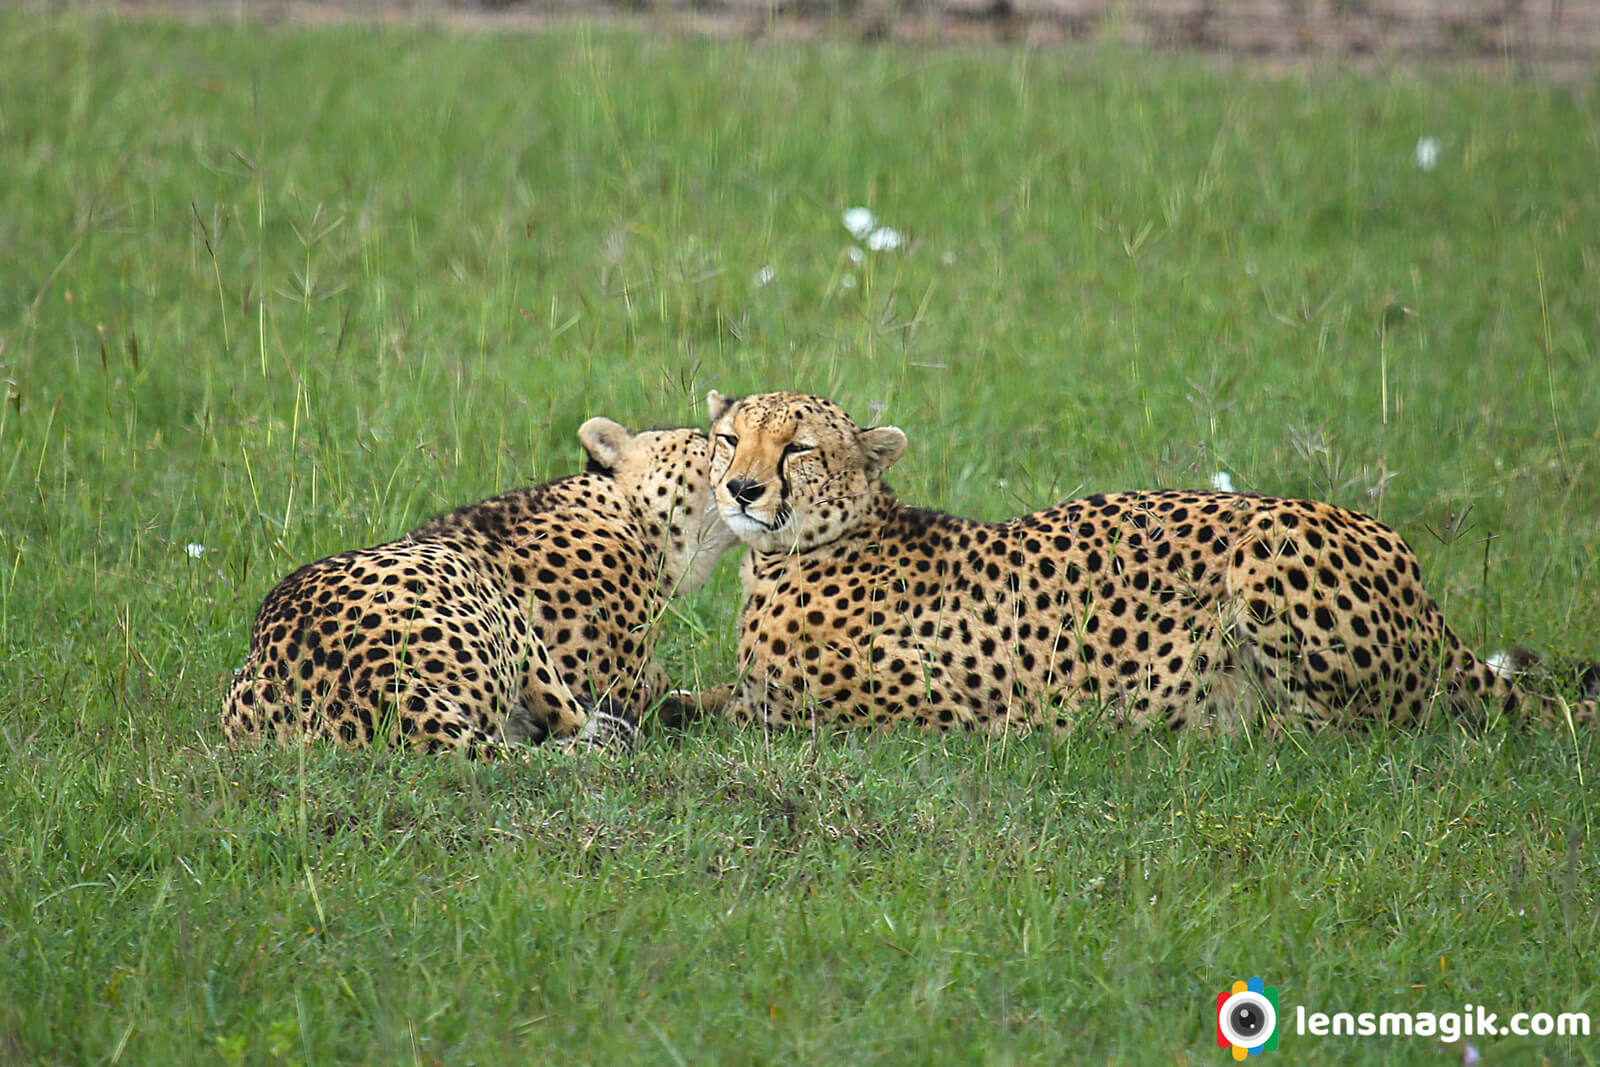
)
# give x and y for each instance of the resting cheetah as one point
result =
(508, 620)
(1158, 608)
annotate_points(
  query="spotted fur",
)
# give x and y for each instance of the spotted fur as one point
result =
(528, 615)
(1152, 609)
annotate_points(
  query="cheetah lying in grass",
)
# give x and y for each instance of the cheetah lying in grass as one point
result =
(528, 615)
(1154, 609)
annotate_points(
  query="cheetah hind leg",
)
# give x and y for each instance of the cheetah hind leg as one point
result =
(419, 716)
(550, 709)
(260, 709)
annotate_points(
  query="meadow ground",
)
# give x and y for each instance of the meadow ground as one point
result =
(269, 294)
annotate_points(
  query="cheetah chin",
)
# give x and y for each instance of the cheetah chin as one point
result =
(747, 527)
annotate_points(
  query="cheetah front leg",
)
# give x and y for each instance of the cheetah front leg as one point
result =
(680, 707)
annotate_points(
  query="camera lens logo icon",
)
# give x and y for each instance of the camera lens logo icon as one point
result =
(1247, 1018)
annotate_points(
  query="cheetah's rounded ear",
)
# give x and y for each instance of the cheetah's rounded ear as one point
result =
(717, 404)
(882, 447)
(604, 440)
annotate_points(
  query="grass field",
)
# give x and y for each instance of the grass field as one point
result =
(272, 293)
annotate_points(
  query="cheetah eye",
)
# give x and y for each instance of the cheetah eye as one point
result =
(728, 439)
(794, 448)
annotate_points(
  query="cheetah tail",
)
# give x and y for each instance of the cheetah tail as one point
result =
(1502, 682)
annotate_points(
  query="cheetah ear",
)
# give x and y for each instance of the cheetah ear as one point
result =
(882, 447)
(717, 404)
(604, 440)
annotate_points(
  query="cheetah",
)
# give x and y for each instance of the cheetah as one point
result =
(1140, 609)
(526, 616)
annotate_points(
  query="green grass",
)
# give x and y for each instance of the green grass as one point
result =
(281, 292)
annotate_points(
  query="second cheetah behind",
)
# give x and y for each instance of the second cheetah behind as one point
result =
(512, 619)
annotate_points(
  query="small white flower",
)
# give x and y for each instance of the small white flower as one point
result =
(765, 275)
(195, 549)
(948, 259)
(859, 221)
(847, 282)
(883, 239)
(1427, 153)
(855, 254)
(1221, 482)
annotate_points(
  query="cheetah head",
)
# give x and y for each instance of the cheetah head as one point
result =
(792, 471)
(664, 476)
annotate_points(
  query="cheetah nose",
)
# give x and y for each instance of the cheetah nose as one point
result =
(745, 490)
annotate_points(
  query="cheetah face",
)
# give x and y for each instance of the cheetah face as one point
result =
(664, 475)
(790, 471)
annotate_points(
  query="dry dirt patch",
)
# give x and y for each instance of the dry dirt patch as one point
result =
(1520, 35)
